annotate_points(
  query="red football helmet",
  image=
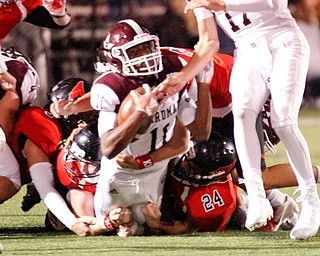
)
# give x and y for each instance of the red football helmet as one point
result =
(121, 50)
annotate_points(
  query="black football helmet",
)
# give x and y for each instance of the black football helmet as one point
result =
(72, 89)
(271, 139)
(84, 150)
(118, 50)
(69, 89)
(206, 162)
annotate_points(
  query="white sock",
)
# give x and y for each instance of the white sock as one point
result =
(276, 197)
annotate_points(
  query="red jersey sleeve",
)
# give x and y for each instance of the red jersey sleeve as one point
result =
(219, 87)
(38, 126)
(11, 14)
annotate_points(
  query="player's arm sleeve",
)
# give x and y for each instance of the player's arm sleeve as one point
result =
(107, 121)
(42, 176)
(250, 5)
(41, 17)
(103, 98)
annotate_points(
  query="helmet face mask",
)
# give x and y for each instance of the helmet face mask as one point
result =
(115, 52)
(82, 161)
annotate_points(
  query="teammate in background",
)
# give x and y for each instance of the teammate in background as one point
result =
(27, 86)
(133, 55)
(266, 36)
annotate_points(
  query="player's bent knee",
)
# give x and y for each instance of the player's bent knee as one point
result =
(9, 167)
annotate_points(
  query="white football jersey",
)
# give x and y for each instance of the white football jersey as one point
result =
(246, 21)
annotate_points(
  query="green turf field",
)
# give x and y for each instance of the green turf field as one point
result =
(24, 233)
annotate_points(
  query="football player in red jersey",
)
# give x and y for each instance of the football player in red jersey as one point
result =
(35, 144)
(78, 166)
(199, 193)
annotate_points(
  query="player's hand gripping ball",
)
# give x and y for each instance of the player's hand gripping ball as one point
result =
(126, 109)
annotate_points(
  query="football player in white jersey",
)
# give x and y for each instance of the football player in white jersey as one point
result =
(133, 56)
(271, 57)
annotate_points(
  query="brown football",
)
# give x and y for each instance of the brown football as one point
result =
(127, 107)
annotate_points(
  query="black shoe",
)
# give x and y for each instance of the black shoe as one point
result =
(52, 223)
(31, 198)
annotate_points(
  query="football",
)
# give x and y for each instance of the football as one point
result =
(127, 107)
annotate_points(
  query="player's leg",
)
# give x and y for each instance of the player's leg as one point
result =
(248, 96)
(9, 105)
(82, 202)
(287, 87)
(9, 172)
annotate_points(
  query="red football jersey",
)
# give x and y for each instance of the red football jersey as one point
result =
(219, 87)
(209, 207)
(42, 129)
(11, 14)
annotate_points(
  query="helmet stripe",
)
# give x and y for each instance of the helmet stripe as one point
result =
(137, 28)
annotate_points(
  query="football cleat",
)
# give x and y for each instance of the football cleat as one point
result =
(52, 223)
(259, 207)
(286, 214)
(31, 198)
(309, 222)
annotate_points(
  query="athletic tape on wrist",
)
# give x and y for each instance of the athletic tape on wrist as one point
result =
(144, 161)
(107, 224)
